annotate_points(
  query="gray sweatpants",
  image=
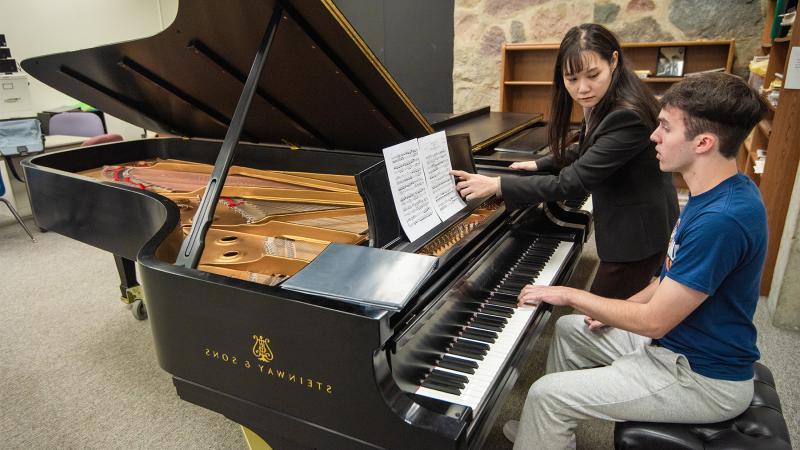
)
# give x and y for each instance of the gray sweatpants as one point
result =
(636, 381)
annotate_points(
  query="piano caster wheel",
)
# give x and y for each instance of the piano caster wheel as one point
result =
(138, 309)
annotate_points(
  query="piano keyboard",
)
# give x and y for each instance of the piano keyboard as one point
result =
(584, 204)
(467, 369)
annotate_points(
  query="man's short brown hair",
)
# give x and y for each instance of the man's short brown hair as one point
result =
(718, 103)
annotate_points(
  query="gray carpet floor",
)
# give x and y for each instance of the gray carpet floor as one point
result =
(78, 371)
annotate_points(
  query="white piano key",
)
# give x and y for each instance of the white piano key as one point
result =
(587, 205)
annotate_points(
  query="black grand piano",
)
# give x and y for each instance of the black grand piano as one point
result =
(286, 90)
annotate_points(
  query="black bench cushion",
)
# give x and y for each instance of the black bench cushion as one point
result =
(761, 426)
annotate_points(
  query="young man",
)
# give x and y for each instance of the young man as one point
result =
(682, 349)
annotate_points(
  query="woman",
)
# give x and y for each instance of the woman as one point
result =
(635, 205)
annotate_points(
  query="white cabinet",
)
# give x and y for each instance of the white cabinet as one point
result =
(15, 97)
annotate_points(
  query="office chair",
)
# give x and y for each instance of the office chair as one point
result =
(76, 124)
(11, 208)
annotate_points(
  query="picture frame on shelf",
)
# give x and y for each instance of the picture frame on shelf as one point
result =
(670, 61)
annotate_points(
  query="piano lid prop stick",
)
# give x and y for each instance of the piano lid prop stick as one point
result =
(192, 246)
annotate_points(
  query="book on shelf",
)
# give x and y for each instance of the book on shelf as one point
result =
(701, 72)
(761, 160)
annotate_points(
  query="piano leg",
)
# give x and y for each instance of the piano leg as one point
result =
(129, 287)
(254, 441)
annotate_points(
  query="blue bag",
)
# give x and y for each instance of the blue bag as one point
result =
(21, 137)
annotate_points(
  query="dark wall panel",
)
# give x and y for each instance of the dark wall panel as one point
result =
(414, 40)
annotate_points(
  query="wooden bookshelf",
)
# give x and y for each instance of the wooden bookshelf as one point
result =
(778, 135)
(527, 71)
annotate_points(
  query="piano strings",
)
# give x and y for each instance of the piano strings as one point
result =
(268, 224)
(440, 244)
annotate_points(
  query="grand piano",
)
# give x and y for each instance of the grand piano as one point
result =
(279, 112)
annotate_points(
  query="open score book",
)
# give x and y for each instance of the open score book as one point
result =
(423, 190)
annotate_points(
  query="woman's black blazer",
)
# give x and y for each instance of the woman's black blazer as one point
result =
(635, 204)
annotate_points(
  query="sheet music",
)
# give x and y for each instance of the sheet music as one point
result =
(441, 185)
(409, 189)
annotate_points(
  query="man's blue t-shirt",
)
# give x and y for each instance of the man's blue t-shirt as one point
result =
(718, 248)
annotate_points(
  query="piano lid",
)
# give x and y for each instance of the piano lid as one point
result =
(321, 86)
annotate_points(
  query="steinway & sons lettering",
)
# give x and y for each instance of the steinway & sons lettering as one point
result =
(276, 374)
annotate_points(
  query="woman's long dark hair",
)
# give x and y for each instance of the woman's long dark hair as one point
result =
(625, 91)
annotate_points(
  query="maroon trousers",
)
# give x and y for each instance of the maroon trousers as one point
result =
(622, 280)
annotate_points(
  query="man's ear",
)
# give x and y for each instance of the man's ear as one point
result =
(705, 143)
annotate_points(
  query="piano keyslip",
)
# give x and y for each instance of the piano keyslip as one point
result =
(480, 372)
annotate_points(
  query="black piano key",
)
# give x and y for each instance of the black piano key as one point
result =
(516, 277)
(525, 272)
(503, 303)
(495, 310)
(499, 295)
(487, 322)
(467, 352)
(454, 377)
(485, 333)
(460, 361)
(509, 292)
(481, 347)
(501, 292)
(491, 319)
(441, 378)
(523, 267)
(478, 337)
(530, 266)
(503, 296)
(526, 267)
(514, 285)
(499, 302)
(449, 364)
(540, 250)
(523, 279)
(519, 275)
(441, 387)
(473, 333)
(534, 259)
(487, 325)
(496, 302)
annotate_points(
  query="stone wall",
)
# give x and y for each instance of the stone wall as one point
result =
(482, 26)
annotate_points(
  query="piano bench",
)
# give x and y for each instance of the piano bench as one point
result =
(761, 426)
